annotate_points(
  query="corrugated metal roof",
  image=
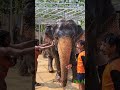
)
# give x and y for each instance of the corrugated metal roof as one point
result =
(49, 12)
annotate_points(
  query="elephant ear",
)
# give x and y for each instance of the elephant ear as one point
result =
(79, 30)
(54, 30)
(79, 33)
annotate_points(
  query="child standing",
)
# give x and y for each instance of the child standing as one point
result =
(80, 65)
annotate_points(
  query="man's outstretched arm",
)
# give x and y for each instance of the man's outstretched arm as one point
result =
(8, 51)
(24, 44)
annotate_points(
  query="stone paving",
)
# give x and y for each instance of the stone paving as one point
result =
(17, 82)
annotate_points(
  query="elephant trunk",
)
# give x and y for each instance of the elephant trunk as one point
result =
(64, 50)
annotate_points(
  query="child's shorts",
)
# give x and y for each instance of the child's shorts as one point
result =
(81, 77)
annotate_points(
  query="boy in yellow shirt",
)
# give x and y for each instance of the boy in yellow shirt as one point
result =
(80, 65)
(111, 75)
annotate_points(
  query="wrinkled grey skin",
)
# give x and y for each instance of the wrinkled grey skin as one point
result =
(59, 31)
(49, 52)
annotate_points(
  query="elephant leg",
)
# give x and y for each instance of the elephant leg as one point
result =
(44, 54)
(74, 68)
(57, 63)
(58, 73)
(74, 73)
(50, 66)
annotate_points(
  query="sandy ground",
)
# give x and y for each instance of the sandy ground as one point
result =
(17, 82)
(47, 78)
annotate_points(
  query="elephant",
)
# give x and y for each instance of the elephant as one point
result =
(48, 38)
(65, 33)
